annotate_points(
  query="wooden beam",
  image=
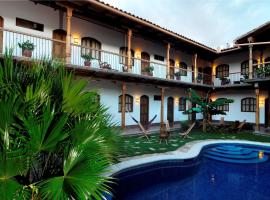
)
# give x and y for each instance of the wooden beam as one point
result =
(129, 34)
(162, 93)
(123, 108)
(168, 60)
(68, 37)
(195, 68)
(257, 127)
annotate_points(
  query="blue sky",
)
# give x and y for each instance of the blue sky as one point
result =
(212, 22)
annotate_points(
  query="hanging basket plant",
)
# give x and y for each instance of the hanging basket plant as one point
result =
(27, 48)
(148, 71)
(87, 59)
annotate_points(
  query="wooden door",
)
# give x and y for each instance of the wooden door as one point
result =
(144, 110)
(171, 71)
(267, 113)
(1, 34)
(59, 48)
(170, 108)
(207, 78)
(145, 61)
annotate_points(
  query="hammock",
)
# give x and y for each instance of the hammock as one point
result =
(146, 125)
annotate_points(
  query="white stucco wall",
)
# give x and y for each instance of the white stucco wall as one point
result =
(110, 91)
(235, 107)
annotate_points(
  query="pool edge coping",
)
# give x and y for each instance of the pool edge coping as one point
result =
(188, 151)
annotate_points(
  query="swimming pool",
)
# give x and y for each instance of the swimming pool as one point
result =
(222, 171)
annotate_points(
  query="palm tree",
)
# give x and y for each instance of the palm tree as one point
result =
(206, 106)
(56, 140)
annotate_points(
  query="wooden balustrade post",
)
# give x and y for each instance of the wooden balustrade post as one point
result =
(68, 37)
(129, 61)
(168, 61)
(123, 106)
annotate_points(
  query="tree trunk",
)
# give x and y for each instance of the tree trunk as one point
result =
(204, 125)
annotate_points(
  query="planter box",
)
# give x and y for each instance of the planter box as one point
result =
(147, 73)
(87, 63)
(27, 53)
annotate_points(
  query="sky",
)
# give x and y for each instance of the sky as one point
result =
(215, 23)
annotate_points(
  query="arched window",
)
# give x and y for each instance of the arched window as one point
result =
(59, 48)
(222, 71)
(145, 62)
(245, 67)
(182, 104)
(248, 104)
(129, 103)
(224, 107)
(267, 60)
(124, 56)
(91, 46)
(183, 66)
(171, 71)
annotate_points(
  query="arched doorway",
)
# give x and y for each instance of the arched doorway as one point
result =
(145, 62)
(59, 48)
(171, 70)
(170, 108)
(207, 78)
(1, 33)
(91, 46)
(144, 110)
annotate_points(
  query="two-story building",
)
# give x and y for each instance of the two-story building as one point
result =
(139, 68)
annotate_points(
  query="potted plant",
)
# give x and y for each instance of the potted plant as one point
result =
(27, 48)
(260, 73)
(224, 80)
(267, 70)
(178, 75)
(148, 71)
(87, 60)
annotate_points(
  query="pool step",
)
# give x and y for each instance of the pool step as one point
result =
(235, 154)
(249, 161)
(242, 152)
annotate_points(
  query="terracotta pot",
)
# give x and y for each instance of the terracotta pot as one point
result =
(27, 53)
(147, 73)
(87, 63)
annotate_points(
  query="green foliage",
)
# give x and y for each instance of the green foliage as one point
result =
(87, 57)
(179, 73)
(27, 45)
(205, 106)
(148, 69)
(56, 141)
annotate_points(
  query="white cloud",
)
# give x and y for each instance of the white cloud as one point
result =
(212, 22)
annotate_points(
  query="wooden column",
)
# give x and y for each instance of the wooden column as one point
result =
(162, 126)
(129, 34)
(168, 60)
(1, 33)
(195, 68)
(257, 118)
(123, 108)
(68, 39)
(250, 63)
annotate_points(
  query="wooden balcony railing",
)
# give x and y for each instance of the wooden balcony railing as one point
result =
(50, 48)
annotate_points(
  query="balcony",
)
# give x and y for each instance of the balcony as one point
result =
(107, 61)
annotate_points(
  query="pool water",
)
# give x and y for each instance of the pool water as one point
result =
(227, 172)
